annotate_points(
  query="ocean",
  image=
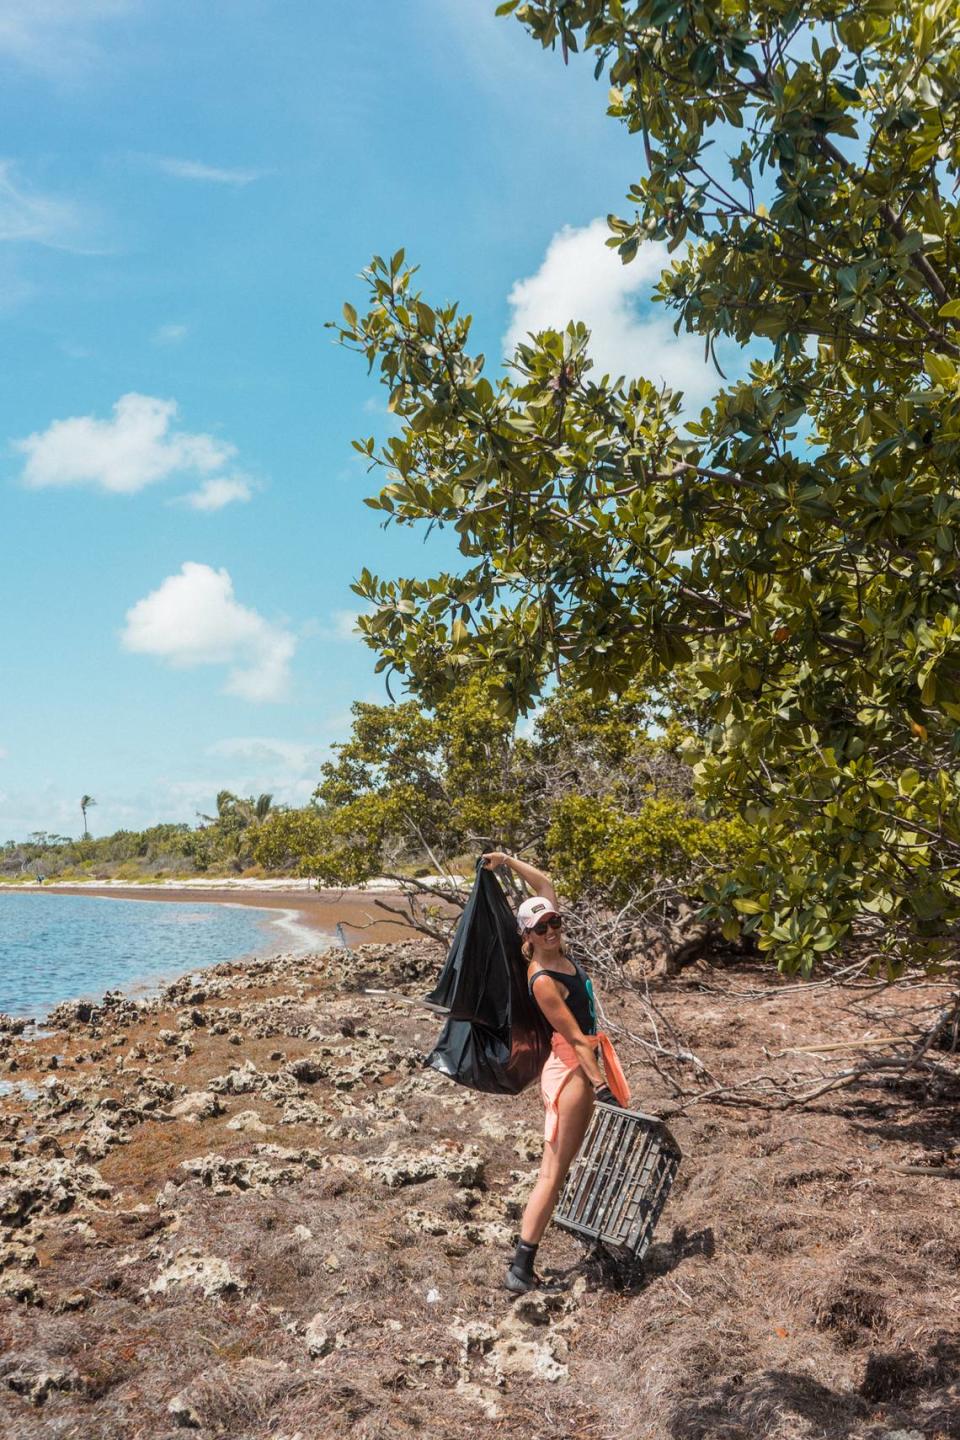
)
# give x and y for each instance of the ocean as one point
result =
(64, 947)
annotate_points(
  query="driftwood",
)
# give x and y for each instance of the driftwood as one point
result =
(863, 1043)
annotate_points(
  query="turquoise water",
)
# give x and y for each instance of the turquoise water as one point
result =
(64, 947)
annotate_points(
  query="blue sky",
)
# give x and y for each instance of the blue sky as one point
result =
(187, 192)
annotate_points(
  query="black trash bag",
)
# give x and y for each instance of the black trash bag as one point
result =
(486, 936)
(481, 1059)
(496, 1038)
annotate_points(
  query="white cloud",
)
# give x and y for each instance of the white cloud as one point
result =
(41, 807)
(214, 174)
(296, 755)
(581, 278)
(495, 52)
(27, 217)
(222, 490)
(287, 769)
(136, 448)
(343, 625)
(194, 619)
(340, 625)
(170, 334)
(54, 35)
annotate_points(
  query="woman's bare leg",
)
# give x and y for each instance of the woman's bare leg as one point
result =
(574, 1108)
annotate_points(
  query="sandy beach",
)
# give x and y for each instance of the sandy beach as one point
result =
(363, 921)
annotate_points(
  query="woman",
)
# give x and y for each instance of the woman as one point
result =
(572, 1080)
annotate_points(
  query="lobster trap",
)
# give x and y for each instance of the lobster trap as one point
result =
(619, 1181)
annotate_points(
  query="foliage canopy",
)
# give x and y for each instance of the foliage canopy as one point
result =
(588, 793)
(789, 556)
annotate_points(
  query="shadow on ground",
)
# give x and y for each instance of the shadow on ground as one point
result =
(901, 1391)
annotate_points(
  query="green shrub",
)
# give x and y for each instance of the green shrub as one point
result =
(593, 846)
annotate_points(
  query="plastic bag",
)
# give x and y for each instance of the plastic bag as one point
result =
(470, 985)
(496, 1038)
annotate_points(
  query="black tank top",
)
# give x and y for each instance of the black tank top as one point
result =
(579, 996)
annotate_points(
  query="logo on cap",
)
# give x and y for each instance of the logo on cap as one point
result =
(533, 910)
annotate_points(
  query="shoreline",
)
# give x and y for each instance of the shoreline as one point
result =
(240, 883)
(321, 911)
(295, 922)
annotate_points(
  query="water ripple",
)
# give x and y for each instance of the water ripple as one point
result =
(62, 947)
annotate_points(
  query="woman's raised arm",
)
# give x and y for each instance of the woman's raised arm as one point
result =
(539, 883)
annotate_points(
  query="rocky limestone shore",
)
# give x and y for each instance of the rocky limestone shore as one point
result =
(243, 1208)
(209, 1198)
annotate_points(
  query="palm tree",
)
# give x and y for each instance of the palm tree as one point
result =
(226, 802)
(242, 812)
(235, 815)
(226, 805)
(85, 802)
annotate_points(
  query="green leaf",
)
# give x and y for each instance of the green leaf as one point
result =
(941, 370)
(427, 318)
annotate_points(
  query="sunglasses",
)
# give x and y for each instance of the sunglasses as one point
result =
(553, 921)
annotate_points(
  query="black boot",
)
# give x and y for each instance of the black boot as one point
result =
(520, 1276)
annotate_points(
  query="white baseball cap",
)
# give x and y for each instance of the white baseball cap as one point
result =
(533, 910)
